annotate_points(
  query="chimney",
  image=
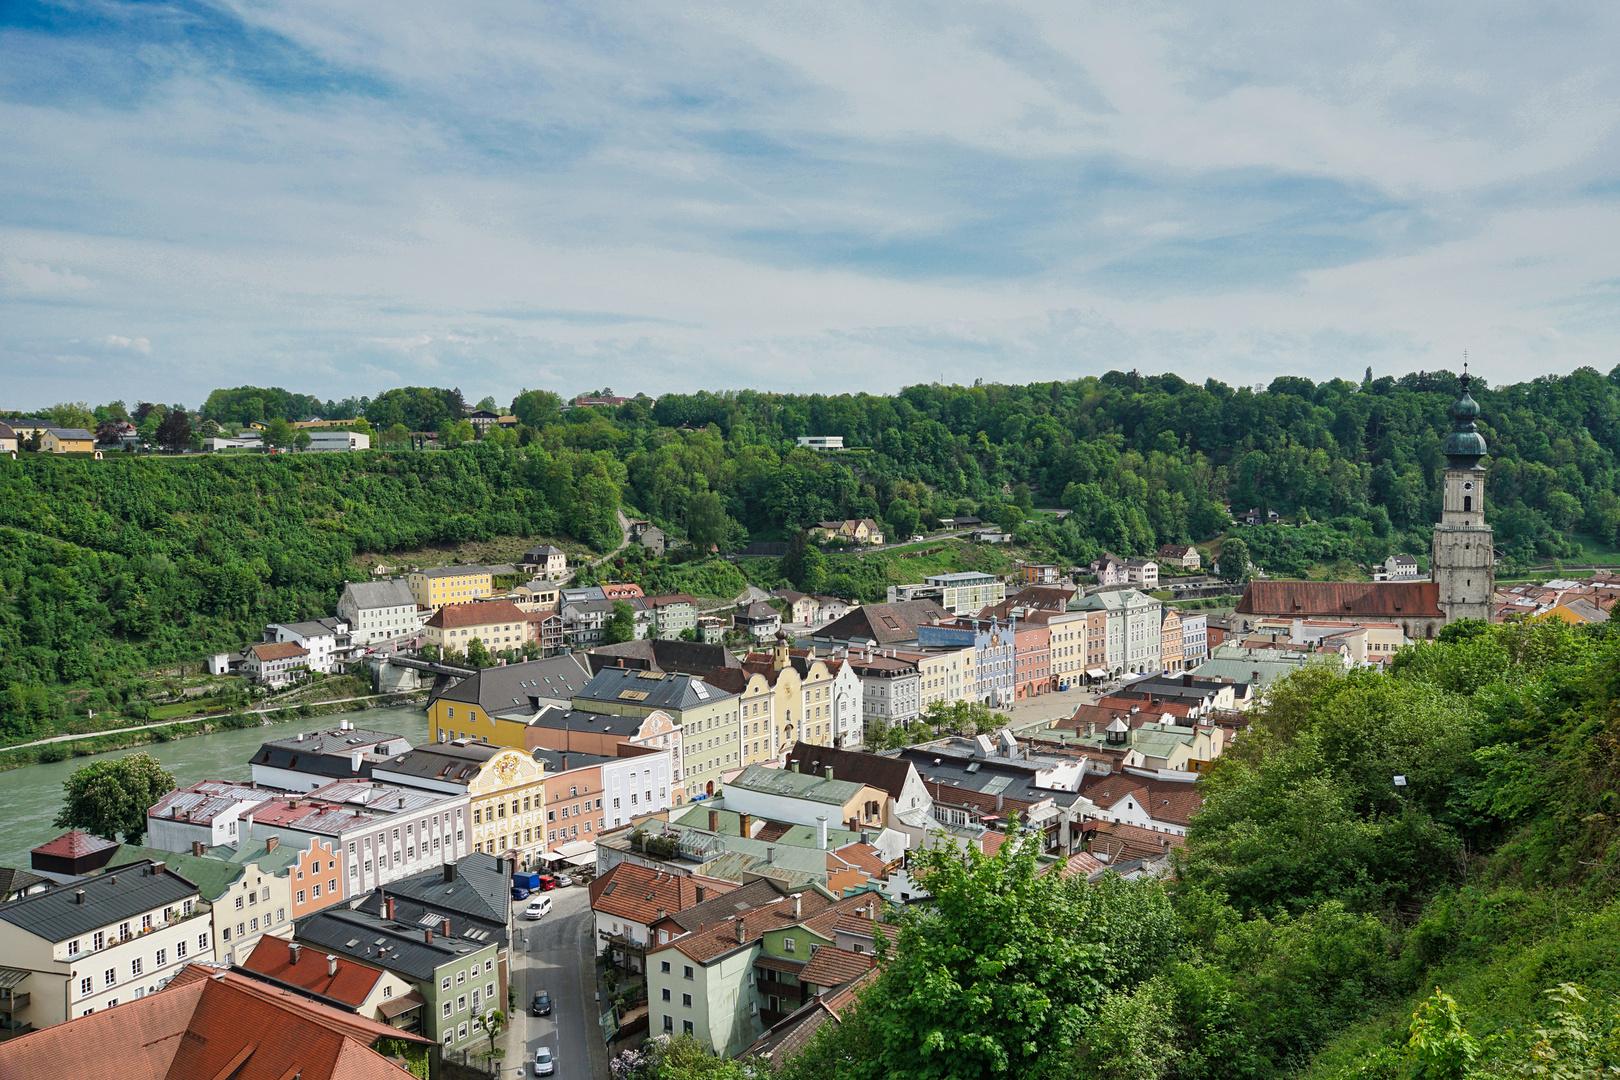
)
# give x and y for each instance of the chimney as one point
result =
(449, 871)
(78, 896)
(828, 772)
(157, 869)
(798, 905)
(300, 736)
(701, 893)
(663, 913)
(388, 907)
(745, 825)
(427, 936)
(770, 854)
(270, 843)
(621, 661)
(331, 966)
(198, 847)
(714, 821)
(446, 928)
(821, 831)
(292, 952)
(742, 935)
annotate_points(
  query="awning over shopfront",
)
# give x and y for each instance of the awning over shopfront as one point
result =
(574, 853)
(1096, 673)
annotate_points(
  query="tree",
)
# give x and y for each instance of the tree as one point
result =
(301, 440)
(621, 625)
(396, 435)
(71, 414)
(902, 518)
(495, 1023)
(487, 403)
(994, 978)
(478, 654)
(537, 408)
(175, 429)
(110, 798)
(278, 433)
(706, 521)
(1234, 561)
(792, 564)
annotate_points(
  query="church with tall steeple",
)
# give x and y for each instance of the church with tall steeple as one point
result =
(1462, 574)
(1463, 562)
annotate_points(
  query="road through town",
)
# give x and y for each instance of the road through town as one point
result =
(556, 954)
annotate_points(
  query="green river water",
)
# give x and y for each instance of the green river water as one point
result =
(32, 795)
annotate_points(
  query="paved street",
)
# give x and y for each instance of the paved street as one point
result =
(554, 955)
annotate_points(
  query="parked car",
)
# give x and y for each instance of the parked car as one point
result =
(548, 882)
(563, 881)
(519, 893)
(539, 909)
(541, 1005)
(544, 1064)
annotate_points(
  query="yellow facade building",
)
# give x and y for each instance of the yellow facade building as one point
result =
(439, 585)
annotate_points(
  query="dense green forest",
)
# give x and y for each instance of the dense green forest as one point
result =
(138, 559)
(1323, 922)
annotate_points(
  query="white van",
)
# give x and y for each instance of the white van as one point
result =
(539, 909)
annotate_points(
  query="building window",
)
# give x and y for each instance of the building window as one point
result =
(202, 942)
(109, 977)
(162, 957)
(787, 945)
(85, 985)
(447, 1010)
(100, 941)
(664, 992)
(686, 1027)
(688, 971)
(686, 1001)
(180, 950)
(663, 965)
(669, 1023)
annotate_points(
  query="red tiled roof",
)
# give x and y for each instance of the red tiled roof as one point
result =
(278, 650)
(835, 967)
(74, 844)
(1164, 800)
(1121, 842)
(817, 913)
(858, 856)
(1328, 599)
(637, 893)
(352, 983)
(209, 1023)
(456, 616)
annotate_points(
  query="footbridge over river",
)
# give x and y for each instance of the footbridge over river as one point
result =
(399, 672)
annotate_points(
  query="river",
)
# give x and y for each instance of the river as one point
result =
(34, 792)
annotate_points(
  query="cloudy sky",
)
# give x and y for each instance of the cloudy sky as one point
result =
(338, 197)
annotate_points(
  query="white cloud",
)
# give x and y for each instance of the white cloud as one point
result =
(838, 195)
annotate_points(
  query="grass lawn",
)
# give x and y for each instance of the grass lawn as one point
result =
(498, 549)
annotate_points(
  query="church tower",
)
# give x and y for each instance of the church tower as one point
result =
(1463, 565)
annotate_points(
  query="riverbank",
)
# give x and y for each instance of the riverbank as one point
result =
(86, 744)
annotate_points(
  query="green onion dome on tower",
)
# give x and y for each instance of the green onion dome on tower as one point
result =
(1465, 445)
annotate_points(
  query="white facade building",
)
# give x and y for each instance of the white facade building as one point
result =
(380, 612)
(326, 640)
(634, 786)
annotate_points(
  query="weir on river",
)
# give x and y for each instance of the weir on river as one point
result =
(33, 794)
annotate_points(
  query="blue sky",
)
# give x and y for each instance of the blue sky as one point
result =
(338, 198)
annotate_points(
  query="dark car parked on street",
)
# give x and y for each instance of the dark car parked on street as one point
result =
(541, 1005)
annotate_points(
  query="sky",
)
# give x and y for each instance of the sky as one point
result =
(342, 197)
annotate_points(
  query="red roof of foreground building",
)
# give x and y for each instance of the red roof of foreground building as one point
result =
(482, 613)
(74, 845)
(351, 984)
(209, 1023)
(1330, 599)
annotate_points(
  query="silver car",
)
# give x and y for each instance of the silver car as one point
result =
(544, 1063)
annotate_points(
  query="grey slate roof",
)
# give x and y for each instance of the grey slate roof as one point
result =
(404, 949)
(885, 773)
(1013, 778)
(108, 898)
(648, 689)
(312, 627)
(327, 753)
(686, 657)
(752, 895)
(885, 624)
(455, 762)
(380, 594)
(477, 901)
(15, 880)
(500, 689)
(72, 433)
(560, 719)
(563, 760)
(454, 571)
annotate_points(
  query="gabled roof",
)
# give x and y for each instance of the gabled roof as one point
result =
(1164, 800)
(832, 966)
(481, 888)
(683, 657)
(266, 651)
(817, 913)
(351, 983)
(211, 876)
(203, 801)
(479, 613)
(499, 689)
(209, 1023)
(457, 762)
(15, 880)
(649, 689)
(795, 785)
(638, 893)
(1387, 599)
(403, 949)
(454, 571)
(366, 595)
(57, 915)
(885, 624)
(752, 895)
(1122, 842)
(885, 773)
